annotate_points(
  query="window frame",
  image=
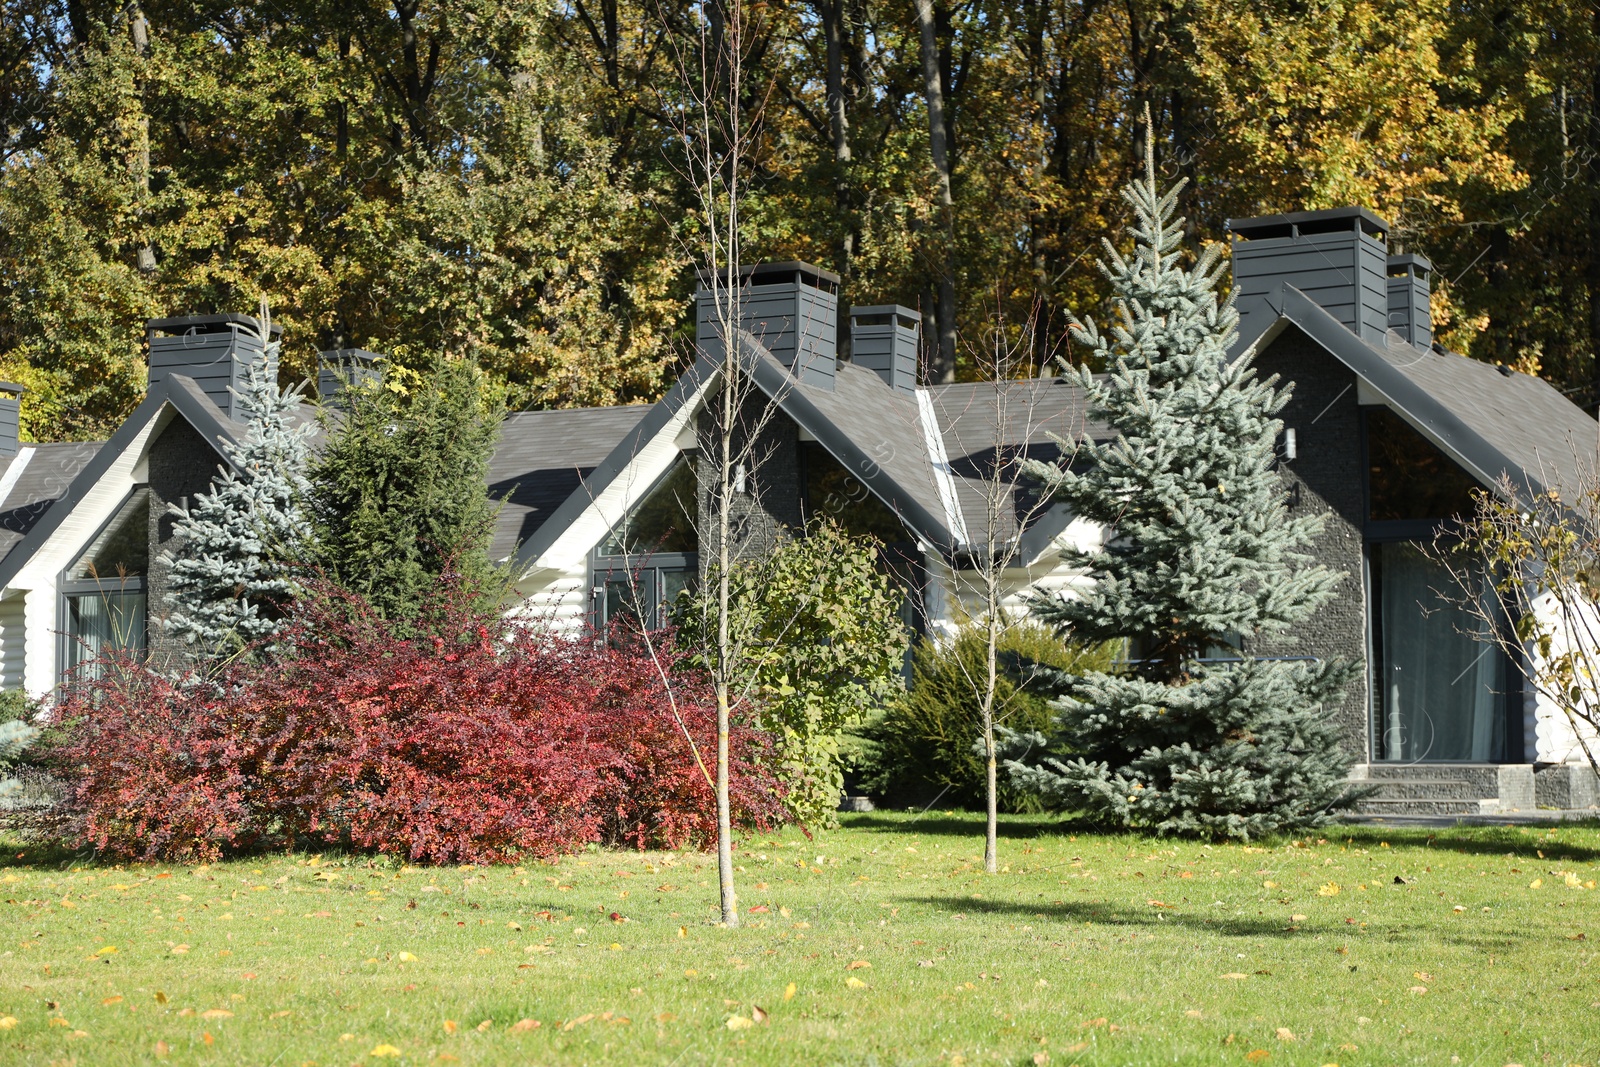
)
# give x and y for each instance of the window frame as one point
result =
(69, 588)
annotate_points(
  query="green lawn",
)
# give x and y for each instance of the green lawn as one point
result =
(880, 943)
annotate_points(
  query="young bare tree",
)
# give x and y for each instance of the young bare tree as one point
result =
(993, 433)
(718, 121)
(1525, 570)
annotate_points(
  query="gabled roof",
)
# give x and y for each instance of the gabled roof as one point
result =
(1494, 423)
(177, 392)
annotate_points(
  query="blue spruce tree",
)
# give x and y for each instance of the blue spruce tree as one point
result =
(231, 573)
(1202, 560)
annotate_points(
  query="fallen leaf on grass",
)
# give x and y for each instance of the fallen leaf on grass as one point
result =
(1235, 976)
(854, 983)
(59, 1021)
(758, 1013)
(579, 1021)
(1076, 1047)
(1257, 1055)
(280, 1014)
(665, 1017)
(739, 1022)
(1286, 1034)
(178, 950)
(1536, 883)
(112, 1000)
(1193, 1014)
(1329, 889)
(1422, 976)
(208, 1039)
(384, 1052)
(1419, 990)
(859, 965)
(1041, 1058)
(162, 1050)
(406, 957)
(483, 1027)
(522, 1026)
(788, 991)
(161, 998)
(1297, 918)
(760, 909)
(8, 1022)
(216, 1013)
(450, 1026)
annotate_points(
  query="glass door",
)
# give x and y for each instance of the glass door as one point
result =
(1441, 691)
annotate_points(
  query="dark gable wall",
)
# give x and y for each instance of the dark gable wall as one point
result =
(180, 465)
(1326, 419)
(764, 517)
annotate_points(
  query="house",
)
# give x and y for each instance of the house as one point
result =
(1386, 436)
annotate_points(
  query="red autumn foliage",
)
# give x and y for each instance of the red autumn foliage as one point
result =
(490, 743)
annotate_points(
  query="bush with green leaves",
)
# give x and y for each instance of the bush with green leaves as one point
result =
(399, 493)
(919, 750)
(821, 643)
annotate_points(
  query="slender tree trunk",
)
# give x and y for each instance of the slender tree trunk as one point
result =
(991, 832)
(1593, 267)
(141, 46)
(832, 13)
(944, 353)
(725, 652)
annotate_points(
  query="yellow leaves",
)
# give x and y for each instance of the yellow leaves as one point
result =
(450, 1026)
(859, 965)
(615, 946)
(683, 931)
(1297, 918)
(1536, 883)
(739, 1022)
(109, 950)
(1235, 976)
(854, 983)
(8, 1022)
(372, 894)
(216, 1013)
(161, 998)
(1269, 885)
(1256, 1055)
(325, 876)
(1286, 1035)
(1328, 889)
(483, 1027)
(513, 926)
(1422, 976)
(59, 1021)
(111, 1000)
(179, 950)
(1418, 990)
(788, 992)
(406, 957)
(384, 1052)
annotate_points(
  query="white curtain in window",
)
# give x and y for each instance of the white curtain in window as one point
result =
(1442, 688)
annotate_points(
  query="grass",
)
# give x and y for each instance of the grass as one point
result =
(1357, 946)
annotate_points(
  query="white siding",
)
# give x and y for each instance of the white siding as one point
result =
(558, 600)
(1555, 739)
(13, 641)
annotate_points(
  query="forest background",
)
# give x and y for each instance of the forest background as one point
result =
(496, 180)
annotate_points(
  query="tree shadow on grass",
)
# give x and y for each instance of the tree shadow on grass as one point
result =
(1102, 913)
(969, 825)
(1524, 842)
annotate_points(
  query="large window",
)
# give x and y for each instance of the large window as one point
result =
(651, 556)
(103, 591)
(1439, 690)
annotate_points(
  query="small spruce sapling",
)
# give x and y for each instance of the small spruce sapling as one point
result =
(231, 571)
(1194, 736)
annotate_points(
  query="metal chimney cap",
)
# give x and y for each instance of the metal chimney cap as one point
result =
(776, 273)
(181, 324)
(1331, 220)
(1409, 263)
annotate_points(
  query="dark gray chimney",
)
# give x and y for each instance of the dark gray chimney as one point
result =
(216, 351)
(10, 418)
(1337, 258)
(1409, 292)
(884, 339)
(791, 308)
(344, 368)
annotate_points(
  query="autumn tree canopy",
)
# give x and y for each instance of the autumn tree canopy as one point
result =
(500, 180)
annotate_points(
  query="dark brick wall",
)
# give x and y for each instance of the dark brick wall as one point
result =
(1325, 416)
(181, 464)
(769, 510)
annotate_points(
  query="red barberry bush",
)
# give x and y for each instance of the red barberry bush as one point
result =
(487, 742)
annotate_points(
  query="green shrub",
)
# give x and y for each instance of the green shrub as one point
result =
(919, 749)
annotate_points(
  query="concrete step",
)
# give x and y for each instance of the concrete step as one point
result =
(1421, 789)
(1418, 806)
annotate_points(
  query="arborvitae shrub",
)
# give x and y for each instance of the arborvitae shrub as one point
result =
(919, 749)
(484, 743)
